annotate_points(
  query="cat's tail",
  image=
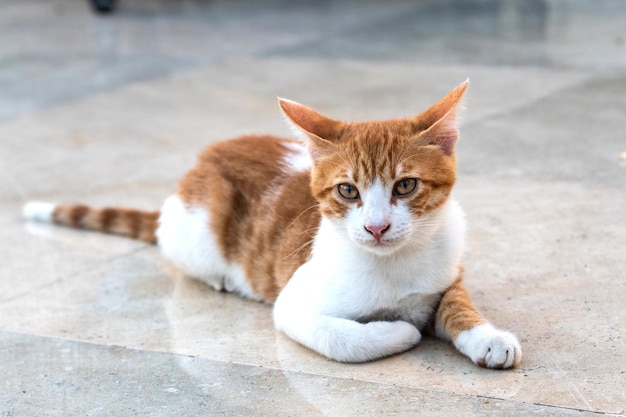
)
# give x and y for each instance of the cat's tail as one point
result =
(136, 224)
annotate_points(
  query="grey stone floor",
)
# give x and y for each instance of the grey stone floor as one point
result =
(113, 110)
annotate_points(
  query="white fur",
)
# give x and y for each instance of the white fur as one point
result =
(39, 211)
(185, 238)
(490, 347)
(342, 282)
(297, 158)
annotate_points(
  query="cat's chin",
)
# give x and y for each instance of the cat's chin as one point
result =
(380, 248)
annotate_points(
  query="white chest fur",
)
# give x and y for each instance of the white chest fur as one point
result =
(353, 305)
(341, 280)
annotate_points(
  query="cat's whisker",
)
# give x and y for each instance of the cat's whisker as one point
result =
(425, 225)
(301, 214)
(308, 232)
(298, 249)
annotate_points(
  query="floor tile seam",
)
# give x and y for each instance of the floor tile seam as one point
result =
(297, 372)
(406, 386)
(410, 387)
(225, 362)
(48, 284)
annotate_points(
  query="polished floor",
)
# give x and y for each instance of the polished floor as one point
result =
(113, 110)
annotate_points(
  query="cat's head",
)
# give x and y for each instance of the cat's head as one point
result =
(382, 182)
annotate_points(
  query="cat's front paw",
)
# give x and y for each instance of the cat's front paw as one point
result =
(489, 347)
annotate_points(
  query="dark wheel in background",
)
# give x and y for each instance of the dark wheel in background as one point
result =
(103, 6)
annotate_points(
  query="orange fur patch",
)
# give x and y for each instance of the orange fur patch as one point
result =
(263, 215)
(456, 311)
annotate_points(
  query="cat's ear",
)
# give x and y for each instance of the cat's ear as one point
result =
(319, 132)
(439, 124)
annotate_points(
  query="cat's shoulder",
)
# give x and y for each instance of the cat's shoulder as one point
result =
(249, 150)
(256, 143)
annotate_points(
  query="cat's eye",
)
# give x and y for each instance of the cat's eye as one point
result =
(405, 187)
(348, 191)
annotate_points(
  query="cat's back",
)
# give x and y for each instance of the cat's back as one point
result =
(251, 163)
(255, 199)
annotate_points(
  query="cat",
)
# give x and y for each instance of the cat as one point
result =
(350, 231)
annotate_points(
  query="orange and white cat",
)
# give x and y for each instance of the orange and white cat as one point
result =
(350, 231)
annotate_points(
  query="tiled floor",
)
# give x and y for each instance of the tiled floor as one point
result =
(113, 110)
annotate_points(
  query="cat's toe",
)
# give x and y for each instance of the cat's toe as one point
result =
(489, 347)
(503, 351)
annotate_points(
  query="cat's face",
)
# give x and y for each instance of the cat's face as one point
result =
(380, 188)
(382, 183)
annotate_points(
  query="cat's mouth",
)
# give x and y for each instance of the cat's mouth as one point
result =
(384, 243)
(383, 246)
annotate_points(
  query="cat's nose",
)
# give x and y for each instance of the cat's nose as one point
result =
(377, 230)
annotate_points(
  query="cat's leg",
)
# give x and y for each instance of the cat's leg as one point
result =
(458, 320)
(298, 313)
(346, 340)
(185, 238)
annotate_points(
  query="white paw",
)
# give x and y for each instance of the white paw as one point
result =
(489, 347)
(400, 334)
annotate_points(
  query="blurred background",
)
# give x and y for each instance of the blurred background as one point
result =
(111, 107)
(53, 51)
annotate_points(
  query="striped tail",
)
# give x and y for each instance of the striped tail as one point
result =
(131, 223)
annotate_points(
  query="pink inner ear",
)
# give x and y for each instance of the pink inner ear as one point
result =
(319, 148)
(438, 125)
(443, 134)
(447, 107)
(447, 140)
